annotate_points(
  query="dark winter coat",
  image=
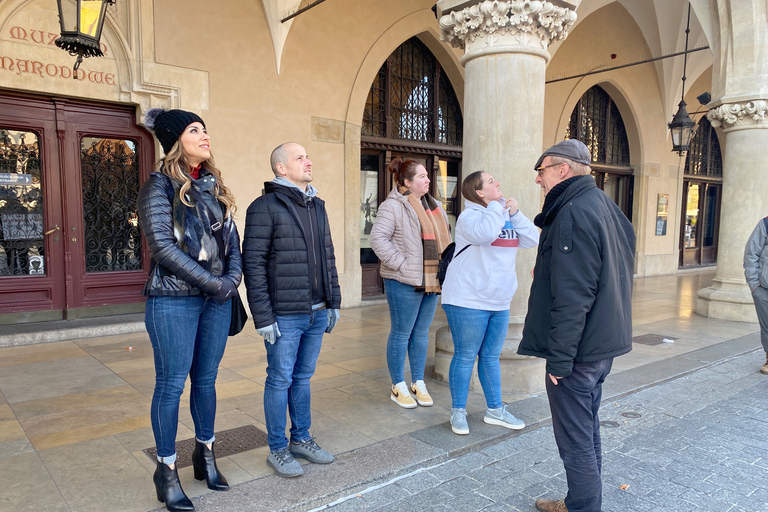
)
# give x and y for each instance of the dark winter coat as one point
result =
(580, 307)
(184, 249)
(280, 255)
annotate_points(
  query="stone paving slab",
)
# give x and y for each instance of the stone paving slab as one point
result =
(711, 456)
(677, 448)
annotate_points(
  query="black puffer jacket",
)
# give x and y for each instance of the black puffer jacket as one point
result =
(580, 308)
(190, 265)
(277, 259)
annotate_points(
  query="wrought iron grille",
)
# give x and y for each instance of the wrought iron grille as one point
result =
(596, 122)
(450, 122)
(704, 159)
(22, 250)
(412, 96)
(374, 116)
(110, 178)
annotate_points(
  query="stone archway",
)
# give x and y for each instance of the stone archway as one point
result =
(420, 24)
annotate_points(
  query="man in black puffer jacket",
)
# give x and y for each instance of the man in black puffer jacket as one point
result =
(294, 297)
(579, 311)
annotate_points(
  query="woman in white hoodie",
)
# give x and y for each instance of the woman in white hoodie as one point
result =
(410, 233)
(478, 288)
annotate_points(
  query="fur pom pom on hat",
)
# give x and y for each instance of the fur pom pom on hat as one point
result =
(168, 125)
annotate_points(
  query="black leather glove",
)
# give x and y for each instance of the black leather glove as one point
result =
(226, 292)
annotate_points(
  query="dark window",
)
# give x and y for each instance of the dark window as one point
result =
(412, 99)
(704, 159)
(596, 122)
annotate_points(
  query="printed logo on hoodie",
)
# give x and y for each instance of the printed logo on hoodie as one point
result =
(507, 237)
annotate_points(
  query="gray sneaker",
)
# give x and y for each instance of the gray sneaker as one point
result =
(309, 450)
(503, 417)
(284, 464)
(459, 421)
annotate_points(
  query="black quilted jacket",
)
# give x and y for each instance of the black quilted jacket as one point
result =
(276, 257)
(183, 267)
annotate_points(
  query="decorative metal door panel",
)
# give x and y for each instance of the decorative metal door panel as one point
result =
(22, 248)
(110, 177)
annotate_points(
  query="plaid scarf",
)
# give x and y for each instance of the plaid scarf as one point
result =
(434, 236)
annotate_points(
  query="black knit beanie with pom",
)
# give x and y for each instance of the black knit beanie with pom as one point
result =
(168, 125)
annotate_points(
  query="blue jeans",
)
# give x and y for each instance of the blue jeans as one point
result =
(574, 404)
(411, 314)
(476, 334)
(290, 364)
(188, 336)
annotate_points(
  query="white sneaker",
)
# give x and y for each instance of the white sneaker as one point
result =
(459, 421)
(401, 396)
(503, 417)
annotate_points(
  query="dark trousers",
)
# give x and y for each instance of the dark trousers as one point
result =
(574, 403)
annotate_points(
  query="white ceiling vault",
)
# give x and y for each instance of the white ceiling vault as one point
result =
(662, 23)
(274, 11)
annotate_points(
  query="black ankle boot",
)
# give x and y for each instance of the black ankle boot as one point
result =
(169, 489)
(204, 463)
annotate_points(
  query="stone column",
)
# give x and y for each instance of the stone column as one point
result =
(738, 110)
(505, 59)
(744, 203)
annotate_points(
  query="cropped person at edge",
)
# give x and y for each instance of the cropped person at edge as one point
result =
(190, 289)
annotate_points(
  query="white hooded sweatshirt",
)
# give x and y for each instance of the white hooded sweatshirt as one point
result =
(483, 276)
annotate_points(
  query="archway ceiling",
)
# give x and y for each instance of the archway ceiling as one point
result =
(274, 11)
(662, 23)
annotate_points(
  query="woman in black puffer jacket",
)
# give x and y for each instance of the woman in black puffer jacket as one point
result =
(190, 290)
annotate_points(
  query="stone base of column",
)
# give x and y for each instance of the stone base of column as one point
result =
(519, 374)
(727, 299)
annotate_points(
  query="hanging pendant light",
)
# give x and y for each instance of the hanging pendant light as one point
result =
(81, 23)
(681, 127)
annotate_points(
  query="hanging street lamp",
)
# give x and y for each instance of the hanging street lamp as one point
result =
(682, 125)
(81, 23)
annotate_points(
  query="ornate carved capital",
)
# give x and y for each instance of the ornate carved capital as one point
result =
(528, 22)
(730, 116)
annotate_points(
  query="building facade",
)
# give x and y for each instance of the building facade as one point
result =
(359, 82)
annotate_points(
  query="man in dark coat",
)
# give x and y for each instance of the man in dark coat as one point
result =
(579, 312)
(294, 297)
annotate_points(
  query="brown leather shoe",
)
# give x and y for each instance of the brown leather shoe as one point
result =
(551, 506)
(764, 369)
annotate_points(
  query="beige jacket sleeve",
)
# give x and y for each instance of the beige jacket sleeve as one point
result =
(396, 240)
(382, 235)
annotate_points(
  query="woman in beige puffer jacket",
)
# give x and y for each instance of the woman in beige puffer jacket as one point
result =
(397, 241)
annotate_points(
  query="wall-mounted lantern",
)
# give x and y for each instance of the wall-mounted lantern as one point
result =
(81, 23)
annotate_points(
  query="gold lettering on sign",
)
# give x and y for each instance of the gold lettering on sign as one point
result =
(48, 69)
(37, 36)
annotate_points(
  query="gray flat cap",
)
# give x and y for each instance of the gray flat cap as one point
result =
(572, 149)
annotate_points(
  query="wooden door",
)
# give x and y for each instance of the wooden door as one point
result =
(78, 250)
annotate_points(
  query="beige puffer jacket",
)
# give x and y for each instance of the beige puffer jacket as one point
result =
(396, 240)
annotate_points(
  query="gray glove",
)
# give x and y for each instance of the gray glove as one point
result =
(270, 333)
(226, 292)
(333, 317)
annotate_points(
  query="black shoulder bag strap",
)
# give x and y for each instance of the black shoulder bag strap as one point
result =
(462, 250)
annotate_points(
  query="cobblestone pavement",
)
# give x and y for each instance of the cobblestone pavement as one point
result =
(697, 443)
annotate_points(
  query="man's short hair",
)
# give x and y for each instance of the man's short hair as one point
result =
(577, 168)
(279, 156)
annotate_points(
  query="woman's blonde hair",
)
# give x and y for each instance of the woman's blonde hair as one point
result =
(172, 164)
